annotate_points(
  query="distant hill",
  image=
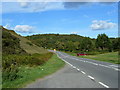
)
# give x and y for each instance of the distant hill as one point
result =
(66, 42)
(14, 43)
(71, 42)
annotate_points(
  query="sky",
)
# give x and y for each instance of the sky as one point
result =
(82, 18)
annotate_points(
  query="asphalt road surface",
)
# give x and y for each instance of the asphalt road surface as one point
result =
(80, 73)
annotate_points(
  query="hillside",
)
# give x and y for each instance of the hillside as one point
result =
(23, 61)
(10, 43)
(72, 42)
(76, 43)
(19, 52)
(25, 44)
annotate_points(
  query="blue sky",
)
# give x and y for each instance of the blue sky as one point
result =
(85, 19)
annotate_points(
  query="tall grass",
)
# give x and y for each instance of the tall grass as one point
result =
(11, 63)
(30, 74)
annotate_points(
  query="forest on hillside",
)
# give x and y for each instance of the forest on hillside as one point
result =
(76, 43)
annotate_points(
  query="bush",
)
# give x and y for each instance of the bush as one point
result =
(11, 63)
(10, 44)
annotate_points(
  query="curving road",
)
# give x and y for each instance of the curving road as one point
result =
(80, 73)
(104, 73)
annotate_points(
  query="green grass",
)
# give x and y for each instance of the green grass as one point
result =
(30, 74)
(111, 57)
(0, 78)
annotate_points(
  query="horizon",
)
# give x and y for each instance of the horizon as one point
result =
(86, 19)
(59, 34)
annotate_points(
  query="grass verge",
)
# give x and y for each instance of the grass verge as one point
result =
(30, 74)
(111, 57)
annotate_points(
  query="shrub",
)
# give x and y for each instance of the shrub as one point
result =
(11, 63)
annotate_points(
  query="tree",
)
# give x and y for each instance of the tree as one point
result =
(103, 42)
(69, 46)
(116, 44)
(86, 44)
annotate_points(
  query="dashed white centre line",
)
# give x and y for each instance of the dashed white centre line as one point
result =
(103, 84)
(116, 69)
(83, 72)
(74, 67)
(91, 77)
(110, 66)
(78, 69)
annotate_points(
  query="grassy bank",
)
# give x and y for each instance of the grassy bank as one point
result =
(107, 57)
(28, 46)
(30, 74)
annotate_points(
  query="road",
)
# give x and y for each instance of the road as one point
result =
(80, 73)
(103, 72)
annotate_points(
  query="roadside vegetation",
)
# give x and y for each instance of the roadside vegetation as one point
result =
(22, 60)
(27, 45)
(28, 74)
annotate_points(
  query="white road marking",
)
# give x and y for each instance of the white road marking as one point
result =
(71, 65)
(65, 61)
(91, 77)
(78, 69)
(110, 66)
(113, 65)
(83, 72)
(103, 84)
(104, 66)
(116, 69)
(91, 62)
(74, 67)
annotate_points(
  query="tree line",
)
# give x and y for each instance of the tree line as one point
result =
(76, 43)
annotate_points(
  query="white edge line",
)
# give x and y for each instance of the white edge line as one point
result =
(84, 73)
(90, 62)
(103, 84)
(66, 61)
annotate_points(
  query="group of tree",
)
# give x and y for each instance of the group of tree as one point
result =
(103, 42)
(76, 43)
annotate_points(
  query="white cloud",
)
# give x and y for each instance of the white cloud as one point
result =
(24, 28)
(24, 4)
(29, 7)
(45, 6)
(74, 32)
(102, 25)
(7, 26)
